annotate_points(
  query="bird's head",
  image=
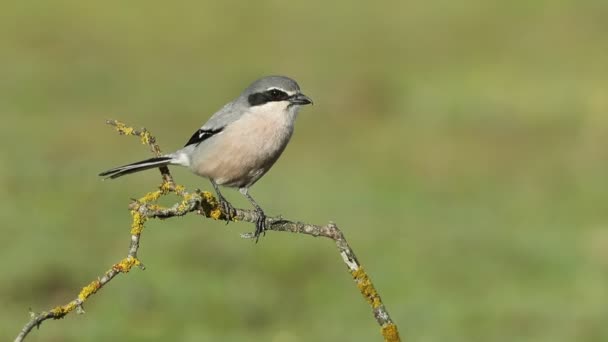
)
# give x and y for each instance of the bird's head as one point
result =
(277, 92)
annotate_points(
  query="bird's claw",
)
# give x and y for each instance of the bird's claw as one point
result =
(260, 225)
(227, 210)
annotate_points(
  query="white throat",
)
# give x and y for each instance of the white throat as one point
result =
(278, 111)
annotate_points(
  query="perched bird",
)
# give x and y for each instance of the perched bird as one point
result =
(239, 143)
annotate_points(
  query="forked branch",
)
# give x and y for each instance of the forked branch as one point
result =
(205, 204)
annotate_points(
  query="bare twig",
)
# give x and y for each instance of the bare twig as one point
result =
(205, 204)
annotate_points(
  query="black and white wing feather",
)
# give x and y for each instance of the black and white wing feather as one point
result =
(218, 121)
(202, 135)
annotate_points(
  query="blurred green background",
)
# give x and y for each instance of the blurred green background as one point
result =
(460, 145)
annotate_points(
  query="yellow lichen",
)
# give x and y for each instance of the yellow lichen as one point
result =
(209, 198)
(70, 306)
(183, 206)
(366, 287)
(137, 226)
(151, 196)
(165, 188)
(60, 311)
(89, 290)
(145, 137)
(125, 265)
(390, 333)
(215, 212)
(123, 129)
(156, 207)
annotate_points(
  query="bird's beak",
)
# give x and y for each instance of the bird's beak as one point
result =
(300, 99)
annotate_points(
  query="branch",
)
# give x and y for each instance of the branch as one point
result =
(205, 204)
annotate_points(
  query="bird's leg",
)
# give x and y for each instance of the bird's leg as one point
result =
(227, 208)
(260, 223)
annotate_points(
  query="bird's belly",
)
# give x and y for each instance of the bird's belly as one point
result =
(243, 153)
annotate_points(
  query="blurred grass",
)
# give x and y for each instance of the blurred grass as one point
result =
(460, 146)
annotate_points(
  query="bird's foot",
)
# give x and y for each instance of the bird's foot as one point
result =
(260, 225)
(227, 209)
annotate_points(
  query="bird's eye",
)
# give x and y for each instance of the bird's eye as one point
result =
(277, 95)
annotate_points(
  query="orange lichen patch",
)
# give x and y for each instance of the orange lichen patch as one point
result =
(390, 333)
(89, 290)
(125, 265)
(366, 287)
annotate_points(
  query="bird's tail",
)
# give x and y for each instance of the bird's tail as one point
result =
(136, 167)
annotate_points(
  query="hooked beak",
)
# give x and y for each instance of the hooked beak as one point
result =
(300, 99)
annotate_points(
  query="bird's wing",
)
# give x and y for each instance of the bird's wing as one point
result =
(201, 135)
(216, 124)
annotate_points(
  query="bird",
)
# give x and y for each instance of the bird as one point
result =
(239, 143)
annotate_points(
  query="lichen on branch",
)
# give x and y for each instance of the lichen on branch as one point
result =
(205, 204)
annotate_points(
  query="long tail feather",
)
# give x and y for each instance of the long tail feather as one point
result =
(136, 167)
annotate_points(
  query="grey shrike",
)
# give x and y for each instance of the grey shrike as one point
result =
(239, 143)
